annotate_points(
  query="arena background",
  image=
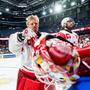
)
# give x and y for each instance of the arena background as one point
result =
(13, 15)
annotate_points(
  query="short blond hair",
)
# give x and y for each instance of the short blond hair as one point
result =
(31, 17)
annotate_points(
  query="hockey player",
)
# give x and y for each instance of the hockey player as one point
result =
(21, 44)
(68, 24)
(24, 44)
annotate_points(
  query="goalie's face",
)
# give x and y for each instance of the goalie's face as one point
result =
(70, 24)
(33, 25)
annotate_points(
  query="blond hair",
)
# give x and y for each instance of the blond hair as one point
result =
(31, 17)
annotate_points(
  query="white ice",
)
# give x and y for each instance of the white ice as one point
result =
(8, 73)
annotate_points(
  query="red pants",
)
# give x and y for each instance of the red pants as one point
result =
(28, 81)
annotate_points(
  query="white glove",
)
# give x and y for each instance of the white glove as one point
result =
(31, 33)
(28, 34)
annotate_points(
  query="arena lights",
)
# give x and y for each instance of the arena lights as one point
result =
(0, 13)
(57, 8)
(82, 1)
(50, 10)
(23, 5)
(64, 6)
(44, 13)
(7, 9)
(73, 3)
(3, 18)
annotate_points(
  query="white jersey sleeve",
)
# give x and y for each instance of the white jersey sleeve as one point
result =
(14, 45)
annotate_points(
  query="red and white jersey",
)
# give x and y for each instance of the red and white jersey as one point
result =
(23, 49)
(71, 37)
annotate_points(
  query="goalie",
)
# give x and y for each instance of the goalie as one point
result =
(49, 62)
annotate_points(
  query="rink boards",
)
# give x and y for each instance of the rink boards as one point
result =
(7, 56)
(9, 65)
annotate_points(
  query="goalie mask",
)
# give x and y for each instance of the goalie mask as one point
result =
(66, 20)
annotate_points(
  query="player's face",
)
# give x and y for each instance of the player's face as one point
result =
(70, 24)
(34, 25)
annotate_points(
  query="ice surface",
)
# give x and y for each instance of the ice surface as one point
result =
(8, 73)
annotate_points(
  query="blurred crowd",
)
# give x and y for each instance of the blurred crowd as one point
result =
(85, 39)
(4, 47)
